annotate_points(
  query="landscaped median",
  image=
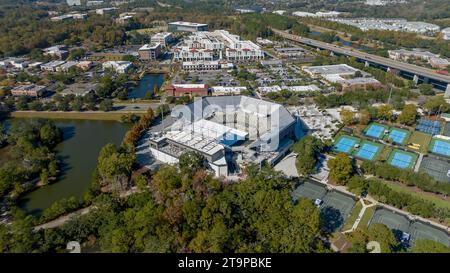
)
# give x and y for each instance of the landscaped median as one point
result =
(90, 115)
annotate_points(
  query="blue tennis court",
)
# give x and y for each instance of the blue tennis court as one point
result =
(431, 127)
(402, 160)
(345, 144)
(441, 147)
(368, 150)
(398, 136)
(375, 130)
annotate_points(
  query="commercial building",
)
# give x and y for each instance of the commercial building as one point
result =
(219, 44)
(187, 27)
(150, 51)
(390, 24)
(52, 66)
(15, 63)
(405, 55)
(73, 2)
(190, 90)
(85, 65)
(227, 90)
(344, 75)
(163, 38)
(105, 11)
(317, 14)
(31, 90)
(94, 3)
(66, 66)
(206, 65)
(290, 52)
(446, 33)
(229, 131)
(120, 67)
(59, 51)
(69, 16)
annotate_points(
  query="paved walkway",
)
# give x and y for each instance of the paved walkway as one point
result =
(419, 160)
(360, 215)
(61, 220)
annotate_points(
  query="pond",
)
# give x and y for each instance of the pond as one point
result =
(146, 85)
(78, 154)
(344, 42)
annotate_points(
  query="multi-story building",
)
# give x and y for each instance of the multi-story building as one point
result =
(190, 90)
(405, 55)
(52, 66)
(59, 51)
(66, 66)
(217, 45)
(206, 65)
(187, 27)
(73, 2)
(150, 51)
(446, 33)
(163, 38)
(229, 131)
(105, 11)
(31, 90)
(120, 67)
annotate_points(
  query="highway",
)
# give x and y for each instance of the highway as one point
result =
(413, 69)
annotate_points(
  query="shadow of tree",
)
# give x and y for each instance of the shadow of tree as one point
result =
(331, 219)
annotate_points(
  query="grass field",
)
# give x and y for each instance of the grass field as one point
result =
(352, 218)
(404, 189)
(439, 203)
(422, 139)
(384, 154)
(368, 214)
(97, 115)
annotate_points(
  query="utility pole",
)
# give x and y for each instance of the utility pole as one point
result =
(390, 94)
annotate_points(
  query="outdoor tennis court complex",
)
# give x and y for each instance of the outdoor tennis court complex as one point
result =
(436, 167)
(380, 131)
(408, 230)
(335, 207)
(402, 159)
(368, 150)
(440, 146)
(362, 149)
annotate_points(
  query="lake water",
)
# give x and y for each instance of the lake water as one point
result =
(146, 85)
(78, 153)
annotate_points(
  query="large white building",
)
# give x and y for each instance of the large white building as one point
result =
(163, 38)
(446, 33)
(118, 66)
(229, 131)
(433, 59)
(217, 45)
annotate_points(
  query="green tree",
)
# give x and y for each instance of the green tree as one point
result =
(308, 150)
(429, 246)
(341, 168)
(347, 117)
(436, 104)
(191, 161)
(385, 112)
(408, 115)
(106, 105)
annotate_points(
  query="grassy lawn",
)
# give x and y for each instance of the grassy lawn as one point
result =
(384, 154)
(97, 115)
(404, 189)
(352, 218)
(422, 139)
(367, 216)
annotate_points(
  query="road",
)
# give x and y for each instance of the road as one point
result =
(414, 69)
